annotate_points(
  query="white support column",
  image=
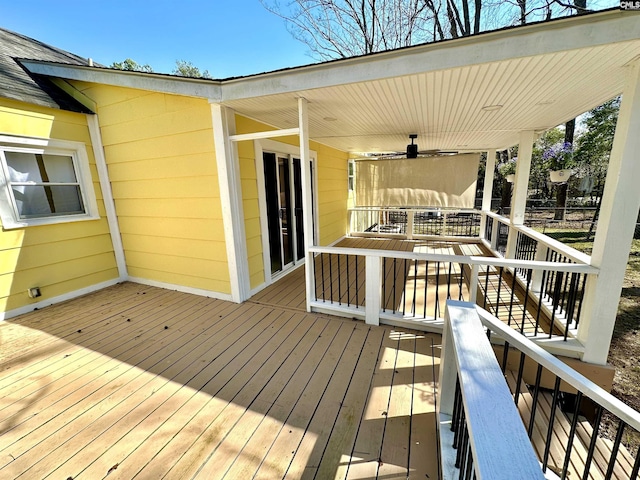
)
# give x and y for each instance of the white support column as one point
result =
(521, 183)
(618, 214)
(373, 289)
(227, 162)
(410, 220)
(487, 190)
(307, 202)
(520, 188)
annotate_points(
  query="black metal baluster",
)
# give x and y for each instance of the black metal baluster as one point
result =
(534, 403)
(348, 285)
(519, 379)
(460, 283)
(435, 314)
(552, 417)
(614, 450)
(513, 293)
(505, 356)
(469, 468)
(324, 295)
(415, 288)
(449, 282)
(572, 434)
(384, 284)
(395, 273)
(526, 299)
(498, 291)
(339, 281)
(636, 466)
(357, 284)
(540, 299)
(486, 287)
(580, 294)
(426, 281)
(331, 276)
(593, 443)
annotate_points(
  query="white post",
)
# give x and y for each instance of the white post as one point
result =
(373, 284)
(307, 202)
(410, 220)
(536, 275)
(494, 233)
(473, 283)
(444, 224)
(224, 125)
(521, 183)
(618, 214)
(487, 190)
(520, 189)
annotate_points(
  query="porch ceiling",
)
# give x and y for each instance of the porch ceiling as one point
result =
(443, 104)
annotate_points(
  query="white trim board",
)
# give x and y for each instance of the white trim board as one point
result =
(107, 194)
(181, 288)
(60, 298)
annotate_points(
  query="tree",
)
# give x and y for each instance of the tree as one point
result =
(346, 28)
(132, 66)
(184, 68)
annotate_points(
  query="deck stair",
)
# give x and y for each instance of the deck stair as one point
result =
(624, 462)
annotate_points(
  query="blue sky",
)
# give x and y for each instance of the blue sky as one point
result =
(226, 37)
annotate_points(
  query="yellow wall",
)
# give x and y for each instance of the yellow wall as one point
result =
(58, 258)
(161, 160)
(331, 169)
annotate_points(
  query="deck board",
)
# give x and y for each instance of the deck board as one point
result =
(225, 391)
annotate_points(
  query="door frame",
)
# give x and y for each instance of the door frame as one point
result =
(284, 149)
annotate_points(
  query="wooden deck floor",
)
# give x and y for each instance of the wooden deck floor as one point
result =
(140, 382)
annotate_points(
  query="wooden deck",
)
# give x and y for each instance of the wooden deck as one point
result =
(140, 382)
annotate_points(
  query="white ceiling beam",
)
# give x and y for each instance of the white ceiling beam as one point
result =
(262, 135)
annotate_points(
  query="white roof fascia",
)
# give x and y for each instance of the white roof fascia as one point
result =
(193, 87)
(526, 41)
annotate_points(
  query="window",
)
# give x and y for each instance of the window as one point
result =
(43, 182)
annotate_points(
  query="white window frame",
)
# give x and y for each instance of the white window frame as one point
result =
(76, 150)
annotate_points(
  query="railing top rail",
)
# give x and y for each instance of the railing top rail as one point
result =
(562, 370)
(471, 260)
(497, 435)
(553, 244)
(415, 209)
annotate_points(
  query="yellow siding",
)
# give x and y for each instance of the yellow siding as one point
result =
(161, 159)
(331, 169)
(58, 258)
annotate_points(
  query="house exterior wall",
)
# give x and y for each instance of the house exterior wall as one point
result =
(61, 258)
(331, 169)
(161, 160)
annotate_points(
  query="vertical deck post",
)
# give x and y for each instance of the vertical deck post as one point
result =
(473, 283)
(373, 284)
(520, 188)
(487, 190)
(307, 202)
(494, 234)
(536, 275)
(410, 220)
(618, 214)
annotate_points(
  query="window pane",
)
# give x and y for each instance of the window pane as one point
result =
(39, 201)
(32, 167)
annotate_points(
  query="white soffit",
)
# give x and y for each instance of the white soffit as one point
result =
(445, 107)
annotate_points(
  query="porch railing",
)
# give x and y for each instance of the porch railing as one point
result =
(404, 288)
(414, 222)
(562, 413)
